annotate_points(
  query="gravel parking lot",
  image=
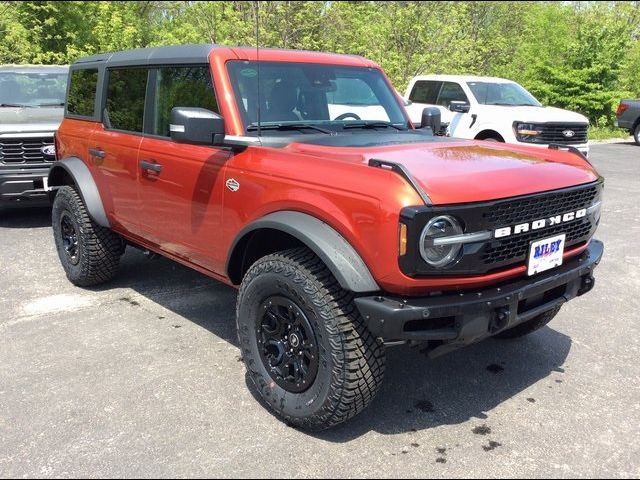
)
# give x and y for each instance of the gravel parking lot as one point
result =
(142, 377)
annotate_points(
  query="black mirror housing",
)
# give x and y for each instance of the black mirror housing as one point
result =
(431, 119)
(196, 125)
(459, 106)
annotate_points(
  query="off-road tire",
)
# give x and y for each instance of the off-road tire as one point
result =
(351, 362)
(529, 326)
(636, 134)
(98, 248)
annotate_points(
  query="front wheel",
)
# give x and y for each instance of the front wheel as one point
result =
(305, 346)
(636, 134)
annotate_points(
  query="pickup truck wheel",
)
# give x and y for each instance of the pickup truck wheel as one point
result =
(529, 326)
(636, 134)
(89, 253)
(305, 346)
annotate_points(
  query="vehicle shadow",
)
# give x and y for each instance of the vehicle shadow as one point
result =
(421, 393)
(25, 217)
(418, 393)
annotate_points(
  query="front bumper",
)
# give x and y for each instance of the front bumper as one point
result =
(20, 187)
(457, 319)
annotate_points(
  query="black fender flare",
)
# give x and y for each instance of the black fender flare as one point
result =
(333, 249)
(81, 176)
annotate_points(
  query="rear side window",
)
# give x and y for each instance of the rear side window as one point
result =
(181, 87)
(81, 100)
(425, 91)
(125, 99)
(451, 92)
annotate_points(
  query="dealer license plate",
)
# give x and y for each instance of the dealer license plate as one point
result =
(546, 254)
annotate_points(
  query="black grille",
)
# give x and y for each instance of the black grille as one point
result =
(515, 249)
(555, 133)
(535, 208)
(24, 150)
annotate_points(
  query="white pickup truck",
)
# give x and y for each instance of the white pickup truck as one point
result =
(488, 108)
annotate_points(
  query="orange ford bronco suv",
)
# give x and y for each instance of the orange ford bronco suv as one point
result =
(298, 178)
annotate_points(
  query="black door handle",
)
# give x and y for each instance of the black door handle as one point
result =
(96, 152)
(146, 165)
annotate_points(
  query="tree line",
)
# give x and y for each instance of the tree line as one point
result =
(584, 56)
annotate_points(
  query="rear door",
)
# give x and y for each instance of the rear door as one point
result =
(180, 185)
(114, 145)
(424, 93)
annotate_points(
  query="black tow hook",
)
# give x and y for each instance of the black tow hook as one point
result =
(500, 319)
(586, 285)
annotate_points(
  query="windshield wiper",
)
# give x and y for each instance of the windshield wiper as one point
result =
(288, 126)
(13, 105)
(371, 124)
(57, 104)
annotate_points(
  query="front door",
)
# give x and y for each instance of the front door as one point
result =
(180, 185)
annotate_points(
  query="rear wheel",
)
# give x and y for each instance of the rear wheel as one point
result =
(304, 344)
(529, 326)
(89, 253)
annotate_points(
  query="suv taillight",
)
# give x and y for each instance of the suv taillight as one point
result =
(621, 109)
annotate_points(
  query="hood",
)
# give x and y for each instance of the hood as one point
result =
(538, 114)
(30, 119)
(472, 171)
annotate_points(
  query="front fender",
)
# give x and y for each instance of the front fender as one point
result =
(337, 254)
(73, 170)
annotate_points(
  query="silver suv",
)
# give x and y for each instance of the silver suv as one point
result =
(31, 109)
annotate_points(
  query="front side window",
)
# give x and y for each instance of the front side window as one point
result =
(331, 95)
(425, 91)
(82, 92)
(181, 87)
(125, 99)
(502, 93)
(451, 92)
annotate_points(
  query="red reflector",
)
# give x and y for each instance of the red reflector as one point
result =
(621, 109)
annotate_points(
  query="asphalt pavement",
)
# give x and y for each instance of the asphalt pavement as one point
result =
(142, 377)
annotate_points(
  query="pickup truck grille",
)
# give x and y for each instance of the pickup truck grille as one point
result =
(555, 133)
(24, 150)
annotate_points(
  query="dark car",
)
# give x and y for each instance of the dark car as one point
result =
(31, 109)
(628, 114)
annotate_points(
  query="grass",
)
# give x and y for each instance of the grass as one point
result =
(606, 133)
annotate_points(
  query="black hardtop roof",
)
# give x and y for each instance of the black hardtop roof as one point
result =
(149, 56)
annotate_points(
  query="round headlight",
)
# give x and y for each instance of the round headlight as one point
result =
(440, 255)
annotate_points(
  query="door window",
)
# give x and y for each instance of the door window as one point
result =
(125, 99)
(180, 87)
(425, 91)
(451, 92)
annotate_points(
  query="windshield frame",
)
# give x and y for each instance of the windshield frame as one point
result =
(526, 95)
(336, 126)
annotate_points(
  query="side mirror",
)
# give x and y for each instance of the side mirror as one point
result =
(459, 106)
(196, 125)
(431, 118)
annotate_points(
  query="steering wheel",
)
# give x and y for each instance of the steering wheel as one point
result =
(344, 116)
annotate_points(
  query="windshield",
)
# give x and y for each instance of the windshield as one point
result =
(33, 89)
(330, 96)
(508, 94)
